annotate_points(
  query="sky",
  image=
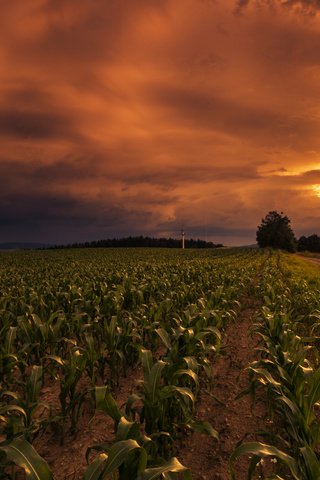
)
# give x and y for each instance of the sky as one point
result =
(140, 117)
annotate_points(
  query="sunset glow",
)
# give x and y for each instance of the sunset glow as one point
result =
(316, 189)
(134, 118)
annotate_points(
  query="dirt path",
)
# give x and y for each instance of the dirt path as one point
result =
(235, 419)
(310, 259)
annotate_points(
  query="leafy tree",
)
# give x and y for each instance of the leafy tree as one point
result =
(275, 231)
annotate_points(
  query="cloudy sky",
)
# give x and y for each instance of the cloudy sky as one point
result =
(126, 117)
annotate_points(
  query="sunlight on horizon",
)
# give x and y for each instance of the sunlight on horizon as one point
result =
(316, 190)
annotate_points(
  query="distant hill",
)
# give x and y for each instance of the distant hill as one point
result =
(22, 246)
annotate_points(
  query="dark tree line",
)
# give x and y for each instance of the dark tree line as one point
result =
(310, 244)
(142, 242)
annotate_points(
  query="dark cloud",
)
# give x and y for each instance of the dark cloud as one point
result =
(63, 218)
(201, 110)
(36, 125)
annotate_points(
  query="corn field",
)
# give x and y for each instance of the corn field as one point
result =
(81, 321)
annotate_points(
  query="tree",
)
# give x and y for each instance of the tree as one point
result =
(275, 231)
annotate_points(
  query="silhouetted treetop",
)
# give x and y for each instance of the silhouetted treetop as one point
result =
(275, 232)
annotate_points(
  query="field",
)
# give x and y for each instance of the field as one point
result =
(156, 363)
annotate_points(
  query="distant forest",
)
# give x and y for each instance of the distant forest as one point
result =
(142, 242)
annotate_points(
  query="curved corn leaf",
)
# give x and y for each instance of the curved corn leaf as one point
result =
(165, 337)
(118, 454)
(55, 358)
(263, 373)
(146, 360)
(127, 430)
(95, 469)
(204, 427)
(14, 409)
(188, 372)
(172, 466)
(34, 383)
(184, 392)
(22, 453)
(10, 338)
(312, 463)
(99, 447)
(262, 450)
(154, 377)
(314, 395)
(192, 363)
(106, 403)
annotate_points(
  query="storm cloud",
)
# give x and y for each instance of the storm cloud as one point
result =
(123, 117)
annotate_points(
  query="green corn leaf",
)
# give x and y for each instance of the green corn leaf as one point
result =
(192, 363)
(10, 394)
(146, 360)
(34, 383)
(262, 450)
(118, 453)
(14, 409)
(10, 338)
(183, 392)
(172, 466)
(55, 358)
(165, 337)
(312, 463)
(154, 377)
(22, 453)
(314, 395)
(215, 332)
(189, 373)
(127, 430)
(205, 428)
(263, 373)
(95, 469)
(106, 403)
(99, 447)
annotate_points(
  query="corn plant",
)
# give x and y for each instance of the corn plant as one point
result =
(286, 370)
(18, 413)
(19, 453)
(70, 396)
(133, 455)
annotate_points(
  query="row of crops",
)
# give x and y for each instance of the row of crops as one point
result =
(79, 321)
(82, 319)
(288, 328)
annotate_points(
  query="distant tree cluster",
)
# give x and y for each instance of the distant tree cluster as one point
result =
(142, 242)
(275, 232)
(310, 244)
